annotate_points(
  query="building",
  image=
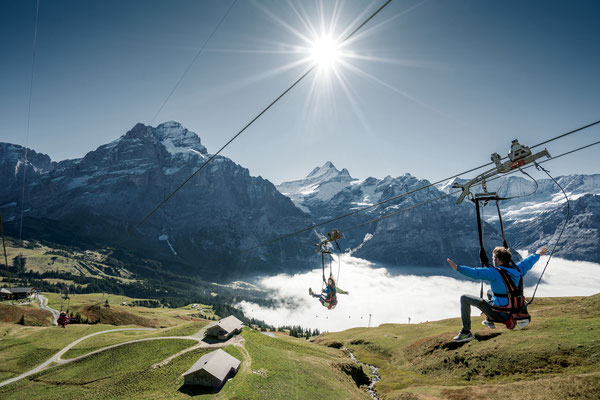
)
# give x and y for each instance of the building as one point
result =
(4, 293)
(225, 328)
(212, 369)
(22, 292)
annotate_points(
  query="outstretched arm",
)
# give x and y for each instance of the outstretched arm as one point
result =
(528, 263)
(474, 273)
(340, 291)
(452, 264)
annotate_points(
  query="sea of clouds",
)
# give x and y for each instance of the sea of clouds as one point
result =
(394, 298)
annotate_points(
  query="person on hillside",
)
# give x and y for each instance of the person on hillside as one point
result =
(502, 258)
(328, 296)
(62, 320)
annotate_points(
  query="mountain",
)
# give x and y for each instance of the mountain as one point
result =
(98, 199)
(536, 215)
(424, 236)
(320, 186)
(581, 237)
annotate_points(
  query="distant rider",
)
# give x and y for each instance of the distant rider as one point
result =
(62, 320)
(328, 296)
(502, 259)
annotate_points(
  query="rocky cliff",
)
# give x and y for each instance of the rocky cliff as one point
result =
(102, 196)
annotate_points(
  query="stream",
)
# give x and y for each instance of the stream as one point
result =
(374, 373)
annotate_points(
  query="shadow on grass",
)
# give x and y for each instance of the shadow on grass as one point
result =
(197, 390)
(486, 336)
(212, 340)
(480, 338)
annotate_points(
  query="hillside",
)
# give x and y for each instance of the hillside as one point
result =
(274, 367)
(557, 357)
(51, 267)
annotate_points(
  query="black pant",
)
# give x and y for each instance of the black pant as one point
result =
(466, 301)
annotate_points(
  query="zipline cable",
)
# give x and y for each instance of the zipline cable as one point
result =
(193, 61)
(308, 71)
(413, 191)
(459, 191)
(25, 161)
(539, 167)
(565, 134)
(5, 257)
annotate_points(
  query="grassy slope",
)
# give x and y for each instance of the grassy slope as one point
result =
(272, 368)
(290, 368)
(164, 317)
(31, 313)
(558, 356)
(107, 339)
(40, 259)
(24, 347)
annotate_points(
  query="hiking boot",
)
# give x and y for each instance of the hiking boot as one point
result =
(463, 337)
(488, 323)
(310, 291)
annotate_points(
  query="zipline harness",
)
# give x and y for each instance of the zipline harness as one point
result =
(516, 309)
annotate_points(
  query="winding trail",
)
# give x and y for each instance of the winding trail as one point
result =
(57, 358)
(43, 300)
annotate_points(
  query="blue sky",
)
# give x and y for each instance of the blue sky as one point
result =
(439, 85)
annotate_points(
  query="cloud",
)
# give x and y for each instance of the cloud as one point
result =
(394, 298)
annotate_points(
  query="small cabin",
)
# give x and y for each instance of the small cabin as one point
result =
(225, 328)
(22, 292)
(4, 293)
(212, 370)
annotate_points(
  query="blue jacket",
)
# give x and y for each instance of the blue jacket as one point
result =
(493, 277)
(333, 290)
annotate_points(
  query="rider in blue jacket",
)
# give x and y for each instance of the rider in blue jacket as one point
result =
(501, 259)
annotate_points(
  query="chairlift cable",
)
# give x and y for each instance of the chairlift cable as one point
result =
(308, 71)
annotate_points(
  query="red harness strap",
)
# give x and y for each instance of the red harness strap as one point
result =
(516, 307)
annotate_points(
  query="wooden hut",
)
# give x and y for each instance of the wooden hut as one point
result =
(225, 328)
(212, 370)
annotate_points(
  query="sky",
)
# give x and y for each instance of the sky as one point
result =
(420, 298)
(431, 88)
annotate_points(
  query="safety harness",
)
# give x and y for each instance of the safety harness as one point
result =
(323, 247)
(516, 310)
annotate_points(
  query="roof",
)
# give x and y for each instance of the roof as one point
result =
(218, 364)
(22, 289)
(4, 290)
(229, 324)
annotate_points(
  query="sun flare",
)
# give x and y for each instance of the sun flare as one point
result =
(325, 52)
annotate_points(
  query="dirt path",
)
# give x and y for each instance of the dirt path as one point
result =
(43, 300)
(198, 337)
(56, 357)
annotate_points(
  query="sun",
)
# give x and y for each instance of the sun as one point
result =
(325, 52)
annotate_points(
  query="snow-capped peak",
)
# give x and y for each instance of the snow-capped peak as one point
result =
(178, 139)
(321, 184)
(327, 171)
